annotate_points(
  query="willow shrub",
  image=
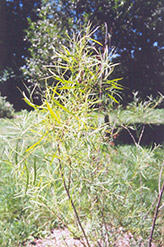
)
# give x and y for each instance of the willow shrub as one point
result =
(72, 125)
(79, 185)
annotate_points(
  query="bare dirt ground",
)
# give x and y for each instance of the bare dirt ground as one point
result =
(63, 238)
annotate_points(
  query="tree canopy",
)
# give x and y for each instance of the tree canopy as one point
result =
(136, 28)
(13, 19)
(13, 47)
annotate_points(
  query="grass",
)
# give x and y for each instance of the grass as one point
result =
(14, 226)
(32, 199)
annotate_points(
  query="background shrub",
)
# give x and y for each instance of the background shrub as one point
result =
(6, 109)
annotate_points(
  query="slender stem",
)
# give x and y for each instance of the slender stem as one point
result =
(152, 205)
(141, 189)
(142, 131)
(155, 215)
(141, 183)
(72, 203)
(130, 135)
(160, 175)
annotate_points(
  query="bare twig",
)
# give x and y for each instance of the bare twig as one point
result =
(141, 182)
(130, 135)
(161, 207)
(141, 135)
(160, 175)
(99, 244)
(69, 179)
(150, 208)
(156, 213)
(72, 203)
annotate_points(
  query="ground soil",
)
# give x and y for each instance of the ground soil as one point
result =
(63, 238)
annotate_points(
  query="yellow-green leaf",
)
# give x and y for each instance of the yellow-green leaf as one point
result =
(112, 98)
(29, 102)
(52, 113)
(61, 106)
(96, 41)
(34, 145)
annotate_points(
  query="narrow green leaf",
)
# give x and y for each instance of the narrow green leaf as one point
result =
(53, 157)
(34, 171)
(27, 176)
(96, 41)
(66, 87)
(61, 106)
(113, 98)
(63, 80)
(66, 50)
(34, 145)
(29, 102)
(16, 154)
(113, 81)
(52, 113)
(69, 54)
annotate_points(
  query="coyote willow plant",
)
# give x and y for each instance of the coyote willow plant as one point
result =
(69, 125)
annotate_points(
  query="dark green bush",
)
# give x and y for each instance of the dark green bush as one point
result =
(6, 108)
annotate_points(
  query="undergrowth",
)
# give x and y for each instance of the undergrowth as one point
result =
(31, 211)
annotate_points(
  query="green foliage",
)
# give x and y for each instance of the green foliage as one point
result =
(6, 109)
(135, 28)
(6, 74)
(14, 226)
(45, 204)
(64, 169)
(139, 111)
(84, 174)
(45, 36)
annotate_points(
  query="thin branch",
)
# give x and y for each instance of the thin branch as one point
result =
(69, 178)
(160, 175)
(155, 215)
(75, 211)
(130, 134)
(152, 205)
(141, 182)
(106, 34)
(99, 244)
(161, 207)
(141, 135)
(72, 203)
